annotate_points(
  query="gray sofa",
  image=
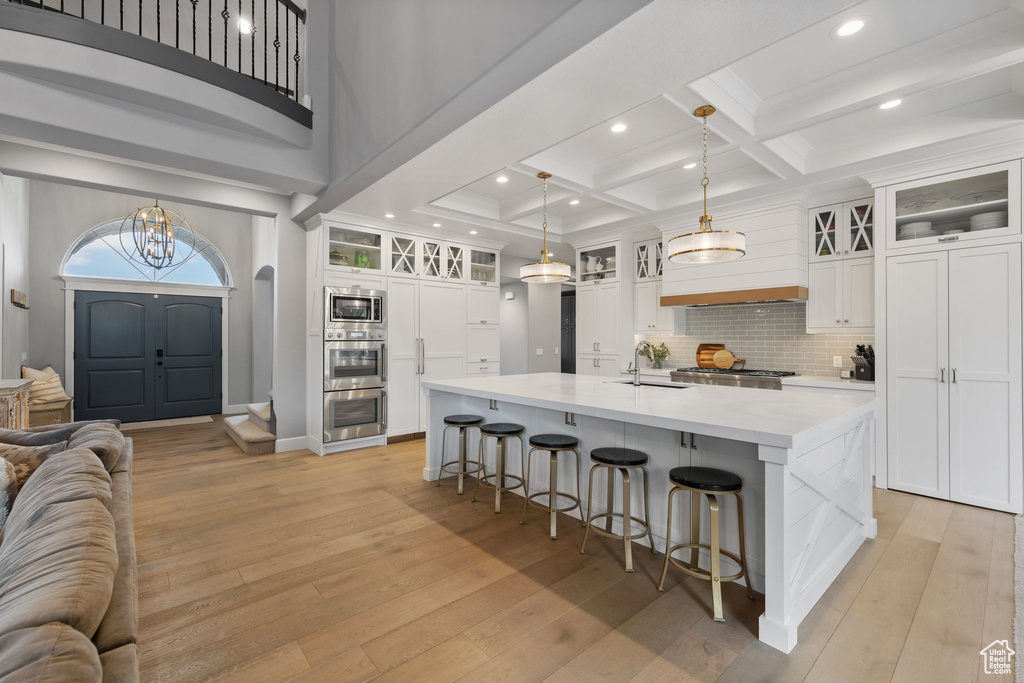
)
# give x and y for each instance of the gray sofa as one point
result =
(68, 576)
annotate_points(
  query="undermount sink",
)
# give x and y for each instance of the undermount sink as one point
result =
(666, 385)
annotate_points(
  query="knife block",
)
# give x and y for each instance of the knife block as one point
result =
(864, 372)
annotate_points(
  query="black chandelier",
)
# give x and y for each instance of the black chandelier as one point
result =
(155, 237)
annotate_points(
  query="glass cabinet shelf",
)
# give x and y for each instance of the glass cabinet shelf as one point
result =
(597, 264)
(348, 246)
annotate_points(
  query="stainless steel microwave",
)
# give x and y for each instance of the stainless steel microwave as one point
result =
(354, 308)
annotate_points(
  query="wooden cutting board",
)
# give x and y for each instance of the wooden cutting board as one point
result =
(706, 354)
(725, 360)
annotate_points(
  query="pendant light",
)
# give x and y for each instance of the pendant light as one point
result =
(150, 236)
(706, 245)
(545, 270)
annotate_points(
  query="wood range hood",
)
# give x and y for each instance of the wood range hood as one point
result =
(737, 296)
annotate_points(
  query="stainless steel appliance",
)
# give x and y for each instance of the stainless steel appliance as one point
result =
(754, 379)
(355, 314)
(355, 365)
(354, 413)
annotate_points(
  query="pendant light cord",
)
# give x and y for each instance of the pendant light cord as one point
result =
(545, 223)
(705, 180)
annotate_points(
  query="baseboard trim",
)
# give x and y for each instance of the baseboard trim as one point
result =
(407, 437)
(295, 443)
(236, 409)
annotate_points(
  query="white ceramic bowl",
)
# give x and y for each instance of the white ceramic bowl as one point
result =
(987, 221)
(915, 227)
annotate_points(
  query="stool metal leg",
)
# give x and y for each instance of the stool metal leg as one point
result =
(462, 456)
(590, 510)
(647, 510)
(500, 480)
(716, 558)
(668, 540)
(480, 459)
(444, 438)
(579, 485)
(694, 528)
(627, 520)
(611, 498)
(526, 484)
(743, 548)
(552, 493)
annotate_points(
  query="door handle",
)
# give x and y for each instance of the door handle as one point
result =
(383, 363)
(159, 362)
(423, 356)
(384, 410)
(942, 375)
(953, 371)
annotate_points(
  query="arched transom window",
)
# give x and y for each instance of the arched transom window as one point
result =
(99, 253)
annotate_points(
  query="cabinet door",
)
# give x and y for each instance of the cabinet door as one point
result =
(482, 305)
(859, 228)
(586, 365)
(825, 296)
(432, 259)
(403, 367)
(859, 294)
(608, 366)
(483, 267)
(442, 315)
(643, 313)
(454, 262)
(608, 319)
(483, 344)
(586, 320)
(354, 248)
(597, 265)
(643, 261)
(917, 400)
(985, 377)
(403, 256)
(664, 316)
(826, 236)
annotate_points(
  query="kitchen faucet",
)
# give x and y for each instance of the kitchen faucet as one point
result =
(636, 360)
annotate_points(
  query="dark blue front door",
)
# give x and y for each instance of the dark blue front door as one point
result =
(146, 356)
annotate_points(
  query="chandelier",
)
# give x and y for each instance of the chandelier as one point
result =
(155, 237)
(545, 270)
(706, 245)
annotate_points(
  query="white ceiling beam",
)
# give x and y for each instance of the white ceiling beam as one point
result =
(730, 94)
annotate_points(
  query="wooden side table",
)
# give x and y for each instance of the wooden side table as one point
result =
(50, 413)
(14, 403)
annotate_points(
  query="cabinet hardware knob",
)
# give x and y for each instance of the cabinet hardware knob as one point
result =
(942, 375)
(838, 321)
(846, 321)
(953, 371)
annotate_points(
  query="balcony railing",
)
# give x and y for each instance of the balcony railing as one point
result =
(261, 40)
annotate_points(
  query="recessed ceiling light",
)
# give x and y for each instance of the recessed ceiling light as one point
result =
(890, 104)
(502, 179)
(472, 232)
(575, 202)
(850, 27)
(389, 215)
(693, 165)
(618, 127)
(437, 225)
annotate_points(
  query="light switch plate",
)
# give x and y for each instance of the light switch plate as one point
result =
(509, 296)
(556, 350)
(837, 361)
(540, 352)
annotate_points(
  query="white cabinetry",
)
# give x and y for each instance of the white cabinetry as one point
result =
(841, 296)
(482, 305)
(647, 260)
(953, 376)
(597, 319)
(842, 230)
(648, 314)
(601, 366)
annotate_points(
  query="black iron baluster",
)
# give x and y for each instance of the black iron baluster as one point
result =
(265, 34)
(240, 36)
(224, 13)
(158, 21)
(140, 17)
(103, 11)
(81, 10)
(209, 30)
(122, 15)
(286, 51)
(277, 45)
(177, 23)
(252, 40)
(297, 58)
(194, 3)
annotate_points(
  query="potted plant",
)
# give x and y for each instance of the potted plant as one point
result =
(660, 353)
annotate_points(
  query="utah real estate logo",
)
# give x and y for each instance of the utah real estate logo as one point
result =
(998, 657)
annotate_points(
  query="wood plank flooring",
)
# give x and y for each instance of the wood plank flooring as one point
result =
(291, 567)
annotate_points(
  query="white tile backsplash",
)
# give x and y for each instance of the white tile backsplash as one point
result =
(770, 336)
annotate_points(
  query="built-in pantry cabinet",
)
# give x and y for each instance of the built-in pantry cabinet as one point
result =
(841, 268)
(604, 306)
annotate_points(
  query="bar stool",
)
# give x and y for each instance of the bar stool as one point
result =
(499, 431)
(711, 483)
(553, 444)
(621, 459)
(463, 423)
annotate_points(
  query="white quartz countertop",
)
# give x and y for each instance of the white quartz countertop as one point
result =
(763, 416)
(826, 382)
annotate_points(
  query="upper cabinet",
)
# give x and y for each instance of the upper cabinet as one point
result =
(599, 264)
(647, 260)
(442, 260)
(403, 256)
(353, 248)
(955, 207)
(483, 266)
(842, 231)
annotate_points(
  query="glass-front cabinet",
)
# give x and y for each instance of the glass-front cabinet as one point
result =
(842, 230)
(955, 207)
(483, 266)
(403, 256)
(442, 260)
(597, 264)
(350, 247)
(647, 260)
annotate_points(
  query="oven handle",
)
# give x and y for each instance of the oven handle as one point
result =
(384, 410)
(383, 362)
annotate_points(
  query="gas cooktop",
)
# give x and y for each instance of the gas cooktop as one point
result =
(748, 373)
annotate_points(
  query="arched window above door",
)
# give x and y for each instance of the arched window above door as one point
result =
(98, 254)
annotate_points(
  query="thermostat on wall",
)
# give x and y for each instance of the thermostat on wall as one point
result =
(509, 296)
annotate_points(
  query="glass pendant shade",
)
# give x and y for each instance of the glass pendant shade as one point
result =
(545, 271)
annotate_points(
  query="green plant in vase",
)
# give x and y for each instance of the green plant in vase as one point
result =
(659, 352)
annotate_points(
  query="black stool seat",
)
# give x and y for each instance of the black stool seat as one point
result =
(463, 420)
(502, 429)
(554, 441)
(619, 457)
(705, 479)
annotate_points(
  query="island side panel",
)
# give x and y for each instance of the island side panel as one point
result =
(440, 404)
(818, 511)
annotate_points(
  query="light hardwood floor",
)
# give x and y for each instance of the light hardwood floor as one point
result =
(351, 568)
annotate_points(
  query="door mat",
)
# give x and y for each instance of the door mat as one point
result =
(152, 424)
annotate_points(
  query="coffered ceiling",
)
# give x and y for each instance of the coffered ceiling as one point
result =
(797, 111)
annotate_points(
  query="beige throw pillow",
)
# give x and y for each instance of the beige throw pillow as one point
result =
(46, 387)
(8, 490)
(26, 459)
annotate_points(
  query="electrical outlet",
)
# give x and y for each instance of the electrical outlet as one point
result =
(540, 352)
(837, 361)
(24, 356)
(556, 350)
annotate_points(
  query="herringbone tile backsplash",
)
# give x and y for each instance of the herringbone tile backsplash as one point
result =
(770, 336)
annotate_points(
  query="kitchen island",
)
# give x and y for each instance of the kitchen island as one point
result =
(805, 460)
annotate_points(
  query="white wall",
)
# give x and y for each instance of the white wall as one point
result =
(514, 319)
(14, 232)
(59, 214)
(545, 329)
